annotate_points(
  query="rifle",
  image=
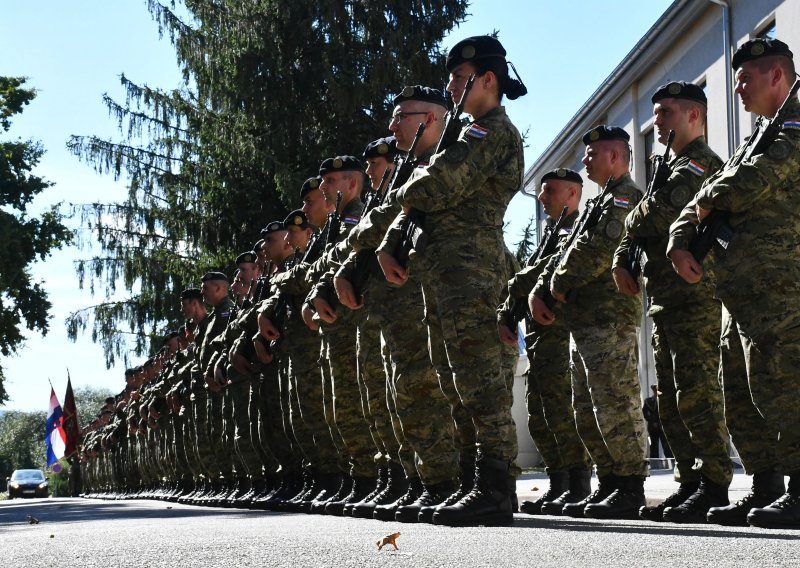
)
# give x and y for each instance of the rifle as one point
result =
(377, 196)
(637, 255)
(262, 284)
(547, 246)
(715, 227)
(414, 237)
(588, 220)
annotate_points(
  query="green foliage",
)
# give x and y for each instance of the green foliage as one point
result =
(271, 88)
(25, 238)
(21, 441)
(528, 241)
(89, 400)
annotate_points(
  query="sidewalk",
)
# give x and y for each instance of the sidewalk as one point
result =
(657, 487)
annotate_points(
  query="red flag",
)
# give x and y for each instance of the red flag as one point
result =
(71, 427)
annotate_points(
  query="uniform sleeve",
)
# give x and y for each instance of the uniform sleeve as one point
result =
(393, 236)
(370, 231)
(621, 259)
(684, 229)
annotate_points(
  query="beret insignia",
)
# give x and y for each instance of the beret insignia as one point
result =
(383, 148)
(757, 49)
(594, 135)
(337, 163)
(297, 220)
(561, 172)
(408, 91)
(675, 89)
(313, 183)
(468, 51)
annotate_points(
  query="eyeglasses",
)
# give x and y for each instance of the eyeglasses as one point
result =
(397, 117)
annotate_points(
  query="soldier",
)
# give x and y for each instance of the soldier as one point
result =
(758, 276)
(463, 195)
(603, 324)
(686, 318)
(551, 418)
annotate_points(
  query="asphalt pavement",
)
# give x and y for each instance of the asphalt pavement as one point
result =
(143, 533)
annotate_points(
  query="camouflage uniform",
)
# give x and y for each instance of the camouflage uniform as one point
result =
(758, 277)
(605, 383)
(464, 193)
(551, 418)
(686, 321)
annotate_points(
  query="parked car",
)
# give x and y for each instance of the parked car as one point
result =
(27, 483)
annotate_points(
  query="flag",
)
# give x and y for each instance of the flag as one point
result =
(54, 436)
(71, 429)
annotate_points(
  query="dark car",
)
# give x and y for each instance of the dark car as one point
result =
(27, 483)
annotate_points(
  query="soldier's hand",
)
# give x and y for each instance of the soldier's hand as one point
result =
(392, 270)
(701, 213)
(262, 352)
(539, 310)
(308, 318)
(267, 329)
(558, 296)
(242, 365)
(506, 335)
(625, 282)
(324, 310)
(346, 294)
(686, 266)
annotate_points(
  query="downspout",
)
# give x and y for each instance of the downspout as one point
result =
(733, 124)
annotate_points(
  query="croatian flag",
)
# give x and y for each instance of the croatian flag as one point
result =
(55, 438)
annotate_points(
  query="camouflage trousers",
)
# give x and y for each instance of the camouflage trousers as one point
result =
(551, 418)
(272, 422)
(238, 393)
(460, 313)
(201, 433)
(606, 397)
(257, 412)
(344, 409)
(690, 402)
(425, 428)
(769, 332)
(219, 436)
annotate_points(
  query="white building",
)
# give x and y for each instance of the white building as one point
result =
(693, 40)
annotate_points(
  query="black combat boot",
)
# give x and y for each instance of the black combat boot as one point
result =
(580, 486)
(784, 513)
(559, 484)
(386, 511)
(325, 487)
(767, 487)
(467, 482)
(383, 479)
(606, 486)
(423, 508)
(489, 502)
(396, 486)
(345, 486)
(623, 503)
(695, 508)
(305, 482)
(362, 486)
(290, 486)
(657, 513)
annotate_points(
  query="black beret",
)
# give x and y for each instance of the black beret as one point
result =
(563, 174)
(381, 148)
(171, 335)
(603, 132)
(192, 294)
(212, 276)
(472, 48)
(420, 93)
(309, 185)
(680, 90)
(249, 256)
(341, 164)
(757, 48)
(259, 245)
(296, 219)
(272, 227)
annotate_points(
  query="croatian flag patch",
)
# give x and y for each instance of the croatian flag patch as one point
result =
(477, 131)
(695, 168)
(622, 202)
(352, 220)
(793, 122)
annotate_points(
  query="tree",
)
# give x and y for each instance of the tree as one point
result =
(25, 238)
(21, 441)
(527, 242)
(89, 401)
(271, 88)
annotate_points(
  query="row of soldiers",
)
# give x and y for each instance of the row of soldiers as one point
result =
(357, 368)
(410, 419)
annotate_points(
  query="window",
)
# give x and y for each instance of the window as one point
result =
(768, 31)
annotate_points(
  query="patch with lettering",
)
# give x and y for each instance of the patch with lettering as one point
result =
(680, 196)
(614, 229)
(623, 202)
(696, 168)
(779, 150)
(476, 131)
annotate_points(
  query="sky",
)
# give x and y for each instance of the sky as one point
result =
(73, 53)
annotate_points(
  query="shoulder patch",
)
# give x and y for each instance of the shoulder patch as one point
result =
(565, 231)
(680, 195)
(352, 220)
(779, 150)
(614, 229)
(225, 314)
(793, 122)
(476, 131)
(623, 202)
(456, 153)
(696, 168)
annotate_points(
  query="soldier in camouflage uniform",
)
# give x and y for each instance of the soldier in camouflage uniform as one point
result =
(551, 418)
(758, 274)
(686, 318)
(463, 194)
(603, 324)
